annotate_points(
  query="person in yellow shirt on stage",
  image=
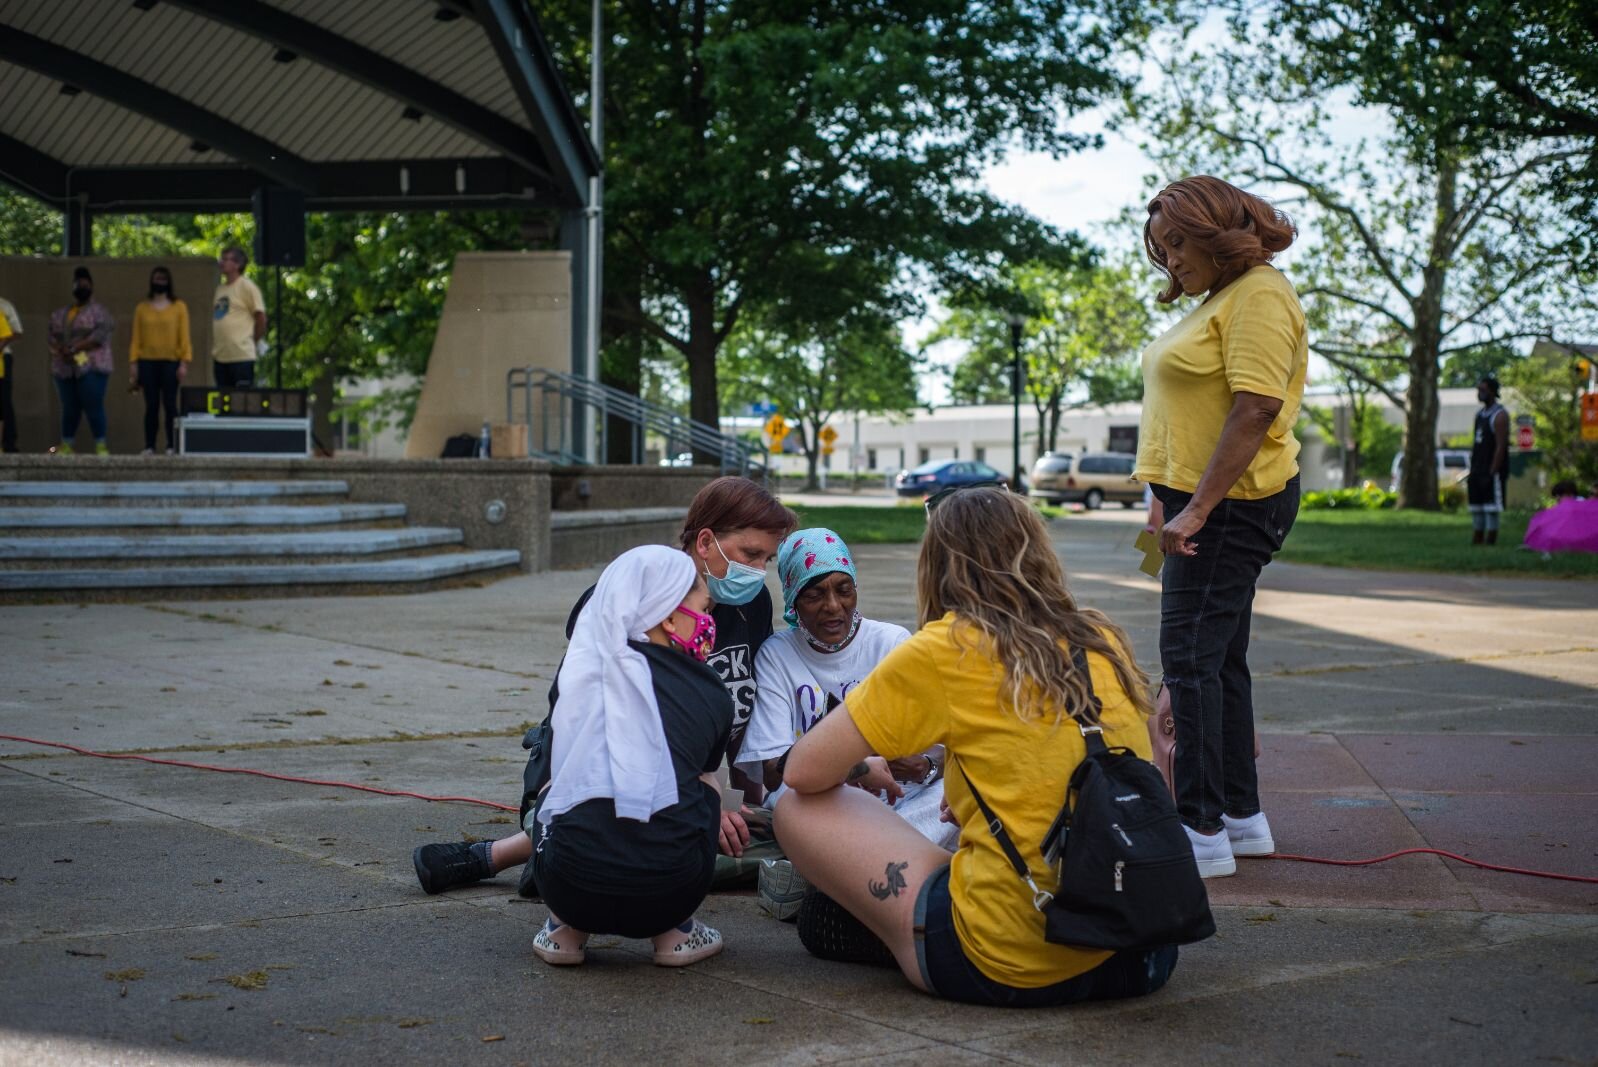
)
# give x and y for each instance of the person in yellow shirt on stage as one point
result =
(238, 327)
(8, 413)
(160, 355)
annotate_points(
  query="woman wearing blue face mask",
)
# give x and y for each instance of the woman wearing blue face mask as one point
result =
(731, 532)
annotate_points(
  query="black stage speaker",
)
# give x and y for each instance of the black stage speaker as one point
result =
(279, 227)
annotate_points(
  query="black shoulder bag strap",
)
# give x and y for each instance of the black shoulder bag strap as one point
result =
(1092, 737)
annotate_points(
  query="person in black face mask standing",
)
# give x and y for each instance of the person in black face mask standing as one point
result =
(159, 357)
(80, 359)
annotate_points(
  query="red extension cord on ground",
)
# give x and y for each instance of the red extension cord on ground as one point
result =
(506, 807)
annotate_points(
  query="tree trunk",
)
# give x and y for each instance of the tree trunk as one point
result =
(812, 460)
(322, 409)
(704, 405)
(621, 365)
(1419, 482)
(1350, 442)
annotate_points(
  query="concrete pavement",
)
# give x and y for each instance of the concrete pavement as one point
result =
(160, 915)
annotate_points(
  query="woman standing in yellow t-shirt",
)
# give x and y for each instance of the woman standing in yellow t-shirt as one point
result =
(159, 358)
(989, 675)
(1221, 391)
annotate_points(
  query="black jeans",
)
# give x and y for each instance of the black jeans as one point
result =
(1206, 607)
(239, 375)
(159, 380)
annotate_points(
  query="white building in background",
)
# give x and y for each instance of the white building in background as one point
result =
(885, 445)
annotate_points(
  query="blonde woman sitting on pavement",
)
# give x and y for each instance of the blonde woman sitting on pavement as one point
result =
(627, 830)
(989, 676)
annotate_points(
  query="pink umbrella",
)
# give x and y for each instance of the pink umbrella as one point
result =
(1568, 527)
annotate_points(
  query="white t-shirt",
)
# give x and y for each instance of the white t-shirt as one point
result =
(795, 681)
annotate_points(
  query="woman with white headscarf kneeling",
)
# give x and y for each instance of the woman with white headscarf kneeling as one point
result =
(626, 833)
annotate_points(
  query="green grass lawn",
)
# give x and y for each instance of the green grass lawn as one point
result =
(1424, 541)
(900, 525)
(869, 526)
(1371, 540)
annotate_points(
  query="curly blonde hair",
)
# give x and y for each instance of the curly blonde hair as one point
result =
(987, 558)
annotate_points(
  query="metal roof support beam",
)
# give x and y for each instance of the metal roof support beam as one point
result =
(30, 170)
(312, 42)
(522, 50)
(401, 185)
(78, 229)
(135, 94)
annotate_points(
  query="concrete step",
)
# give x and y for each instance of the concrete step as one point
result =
(267, 515)
(584, 538)
(291, 576)
(121, 550)
(123, 493)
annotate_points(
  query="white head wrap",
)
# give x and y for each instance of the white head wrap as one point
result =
(609, 741)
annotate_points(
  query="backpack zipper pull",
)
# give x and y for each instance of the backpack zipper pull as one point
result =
(1118, 865)
(1117, 828)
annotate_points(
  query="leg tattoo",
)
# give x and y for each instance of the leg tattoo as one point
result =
(893, 882)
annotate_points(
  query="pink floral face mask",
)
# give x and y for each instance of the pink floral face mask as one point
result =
(703, 640)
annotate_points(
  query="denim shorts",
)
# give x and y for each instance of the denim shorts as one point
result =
(949, 974)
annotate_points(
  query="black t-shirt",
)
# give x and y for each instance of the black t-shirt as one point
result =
(595, 850)
(740, 631)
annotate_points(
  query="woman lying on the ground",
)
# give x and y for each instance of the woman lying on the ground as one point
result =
(731, 532)
(807, 671)
(989, 676)
(627, 828)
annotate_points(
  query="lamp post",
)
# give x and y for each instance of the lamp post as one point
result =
(1016, 321)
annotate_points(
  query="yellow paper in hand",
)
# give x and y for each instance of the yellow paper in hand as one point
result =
(1148, 543)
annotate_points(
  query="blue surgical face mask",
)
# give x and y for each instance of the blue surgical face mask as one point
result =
(741, 585)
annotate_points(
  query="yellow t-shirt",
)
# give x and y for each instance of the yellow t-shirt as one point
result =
(5, 335)
(233, 321)
(13, 324)
(1248, 338)
(160, 333)
(931, 691)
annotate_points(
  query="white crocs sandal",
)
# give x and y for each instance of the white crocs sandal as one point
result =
(701, 943)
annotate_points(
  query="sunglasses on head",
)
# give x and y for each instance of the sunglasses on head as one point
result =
(943, 494)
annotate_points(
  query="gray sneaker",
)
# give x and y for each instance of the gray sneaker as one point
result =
(781, 889)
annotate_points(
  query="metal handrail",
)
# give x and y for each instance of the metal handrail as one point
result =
(569, 391)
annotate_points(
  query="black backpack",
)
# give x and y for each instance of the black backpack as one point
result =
(1127, 876)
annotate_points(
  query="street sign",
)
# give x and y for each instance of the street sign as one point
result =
(1525, 438)
(1589, 417)
(828, 435)
(776, 428)
(762, 407)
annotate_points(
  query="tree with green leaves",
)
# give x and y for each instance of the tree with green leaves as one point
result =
(1422, 242)
(759, 153)
(1084, 329)
(858, 365)
(1507, 73)
(1547, 385)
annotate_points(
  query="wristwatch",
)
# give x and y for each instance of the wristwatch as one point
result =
(932, 770)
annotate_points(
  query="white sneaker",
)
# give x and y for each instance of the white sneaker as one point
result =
(1213, 853)
(1250, 836)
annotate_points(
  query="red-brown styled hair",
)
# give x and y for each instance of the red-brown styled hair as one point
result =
(1239, 230)
(734, 503)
